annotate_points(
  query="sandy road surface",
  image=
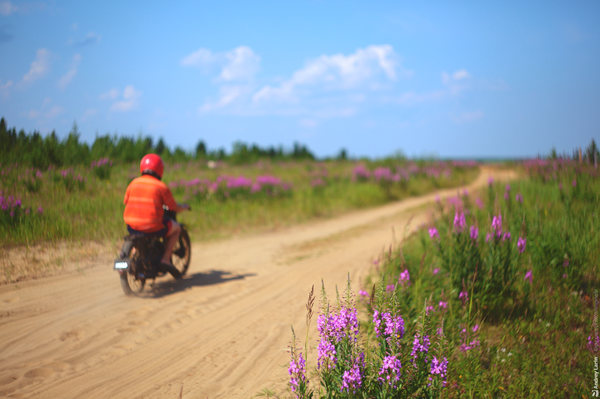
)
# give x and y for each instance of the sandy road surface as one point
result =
(222, 332)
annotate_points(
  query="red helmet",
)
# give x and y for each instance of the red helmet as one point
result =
(153, 164)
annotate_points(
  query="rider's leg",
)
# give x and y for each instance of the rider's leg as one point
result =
(170, 240)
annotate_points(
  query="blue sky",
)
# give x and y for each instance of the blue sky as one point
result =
(450, 79)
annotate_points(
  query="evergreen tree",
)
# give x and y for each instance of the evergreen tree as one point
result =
(161, 147)
(200, 150)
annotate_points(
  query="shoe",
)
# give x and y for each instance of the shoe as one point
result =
(167, 267)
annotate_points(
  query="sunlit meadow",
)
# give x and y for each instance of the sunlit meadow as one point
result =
(493, 299)
(85, 201)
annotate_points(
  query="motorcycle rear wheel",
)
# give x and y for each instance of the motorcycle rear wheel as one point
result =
(131, 283)
(182, 253)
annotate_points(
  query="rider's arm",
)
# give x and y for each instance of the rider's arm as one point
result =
(169, 201)
(182, 207)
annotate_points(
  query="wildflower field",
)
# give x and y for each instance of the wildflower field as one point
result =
(84, 202)
(497, 298)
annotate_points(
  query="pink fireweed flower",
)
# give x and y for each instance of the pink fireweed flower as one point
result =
(506, 196)
(443, 305)
(297, 372)
(574, 183)
(439, 368)
(593, 343)
(529, 276)
(387, 326)
(327, 355)
(475, 327)
(474, 233)
(419, 346)
(382, 173)
(317, 182)
(40, 210)
(519, 198)
(390, 287)
(463, 296)
(479, 203)
(521, 242)
(497, 224)
(456, 202)
(459, 221)
(436, 271)
(433, 233)
(467, 347)
(404, 277)
(508, 188)
(363, 293)
(429, 309)
(488, 236)
(390, 371)
(340, 325)
(352, 379)
(360, 172)
(490, 181)
(506, 236)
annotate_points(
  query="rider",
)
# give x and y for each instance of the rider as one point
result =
(144, 200)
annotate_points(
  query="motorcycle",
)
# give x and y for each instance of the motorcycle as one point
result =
(139, 259)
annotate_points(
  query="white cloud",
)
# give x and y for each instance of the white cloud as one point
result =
(68, 77)
(128, 100)
(242, 64)
(199, 58)
(452, 85)
(39, 66)
(457, 76)
(46, 111)
(88, 114)
(227, 95)
(112, 94)
(89, 39)
(467, 117)
(239, 64)
(460, 74)
(54, 111)
(7, 8)
(367, 68)
(5, 88)
(6, 85)
(457, 81)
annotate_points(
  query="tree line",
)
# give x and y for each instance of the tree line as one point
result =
(41, 152)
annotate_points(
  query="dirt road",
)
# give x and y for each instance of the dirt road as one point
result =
(222, 332)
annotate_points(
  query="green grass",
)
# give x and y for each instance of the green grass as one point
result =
(533, 337)
(83, 204)
(512, 320)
